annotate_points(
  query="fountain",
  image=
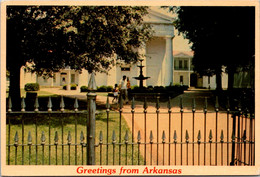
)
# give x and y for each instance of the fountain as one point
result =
(141, 77)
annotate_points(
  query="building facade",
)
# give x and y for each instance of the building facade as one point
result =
(167, 61)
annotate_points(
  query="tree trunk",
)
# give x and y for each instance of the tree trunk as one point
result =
(14, 89)
(219, 79)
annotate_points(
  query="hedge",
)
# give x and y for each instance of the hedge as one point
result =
(32, 87)
(83, 88)
(72, 87)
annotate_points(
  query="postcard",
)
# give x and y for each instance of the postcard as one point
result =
(102, 88)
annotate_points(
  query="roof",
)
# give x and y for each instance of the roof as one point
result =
(183, 53)
(158, 15)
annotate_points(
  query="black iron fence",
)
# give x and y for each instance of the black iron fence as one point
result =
(160, 136)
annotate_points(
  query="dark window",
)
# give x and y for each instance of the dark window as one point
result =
(185, 64)
(72, 78)
(181, 79)
(125, 68)
(180, 64)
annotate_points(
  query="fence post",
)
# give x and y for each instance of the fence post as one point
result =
(232, 163)
(91, 122)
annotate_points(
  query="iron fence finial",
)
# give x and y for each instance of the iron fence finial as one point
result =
(49, 105)
(76, 105)
(114, 137)
(82, 138)
(222, 137)
(151, 137)
(92, 82)
(56, 138)
(139, 136)
(163, 137)
(100, 137)
(187, 136)
(23, 105)
(16, 139)
(29, 138)
(62, 105)
(43, 138)
(199, 137)
(175, 136)
(193, 105)
(36, 104)
(210, 136)
(9, 104)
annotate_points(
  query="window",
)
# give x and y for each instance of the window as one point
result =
(181, 79)
(125, 68)
(180, 64)
(185, 64)
(72, 79)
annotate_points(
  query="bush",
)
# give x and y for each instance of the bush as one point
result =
(73, 86)
(64, 87)
(32, 87)
(109, 88)
(159, 89)
(102, 88)
(134, 87)
(83, 88)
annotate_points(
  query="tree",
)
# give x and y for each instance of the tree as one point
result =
(220, 36)
(82, 37)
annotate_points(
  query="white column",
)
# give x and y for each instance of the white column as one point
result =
(68, 81)
(168, 62)
(189, 72)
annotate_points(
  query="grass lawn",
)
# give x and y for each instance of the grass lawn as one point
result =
(67, 153)
(40, 93)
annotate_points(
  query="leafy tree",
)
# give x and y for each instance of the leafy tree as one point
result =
(220, 36)
(82, 37)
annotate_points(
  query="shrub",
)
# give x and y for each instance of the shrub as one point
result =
(73, 86)
(102, 88)
(83, 88)
(32, 87)
(64, 87)
(159, 89)
(109, 88)
(134, 87)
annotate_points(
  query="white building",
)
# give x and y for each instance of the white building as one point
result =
(168, 59)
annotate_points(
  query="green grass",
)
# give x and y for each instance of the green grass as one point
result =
(68, 121)
(40, 93)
